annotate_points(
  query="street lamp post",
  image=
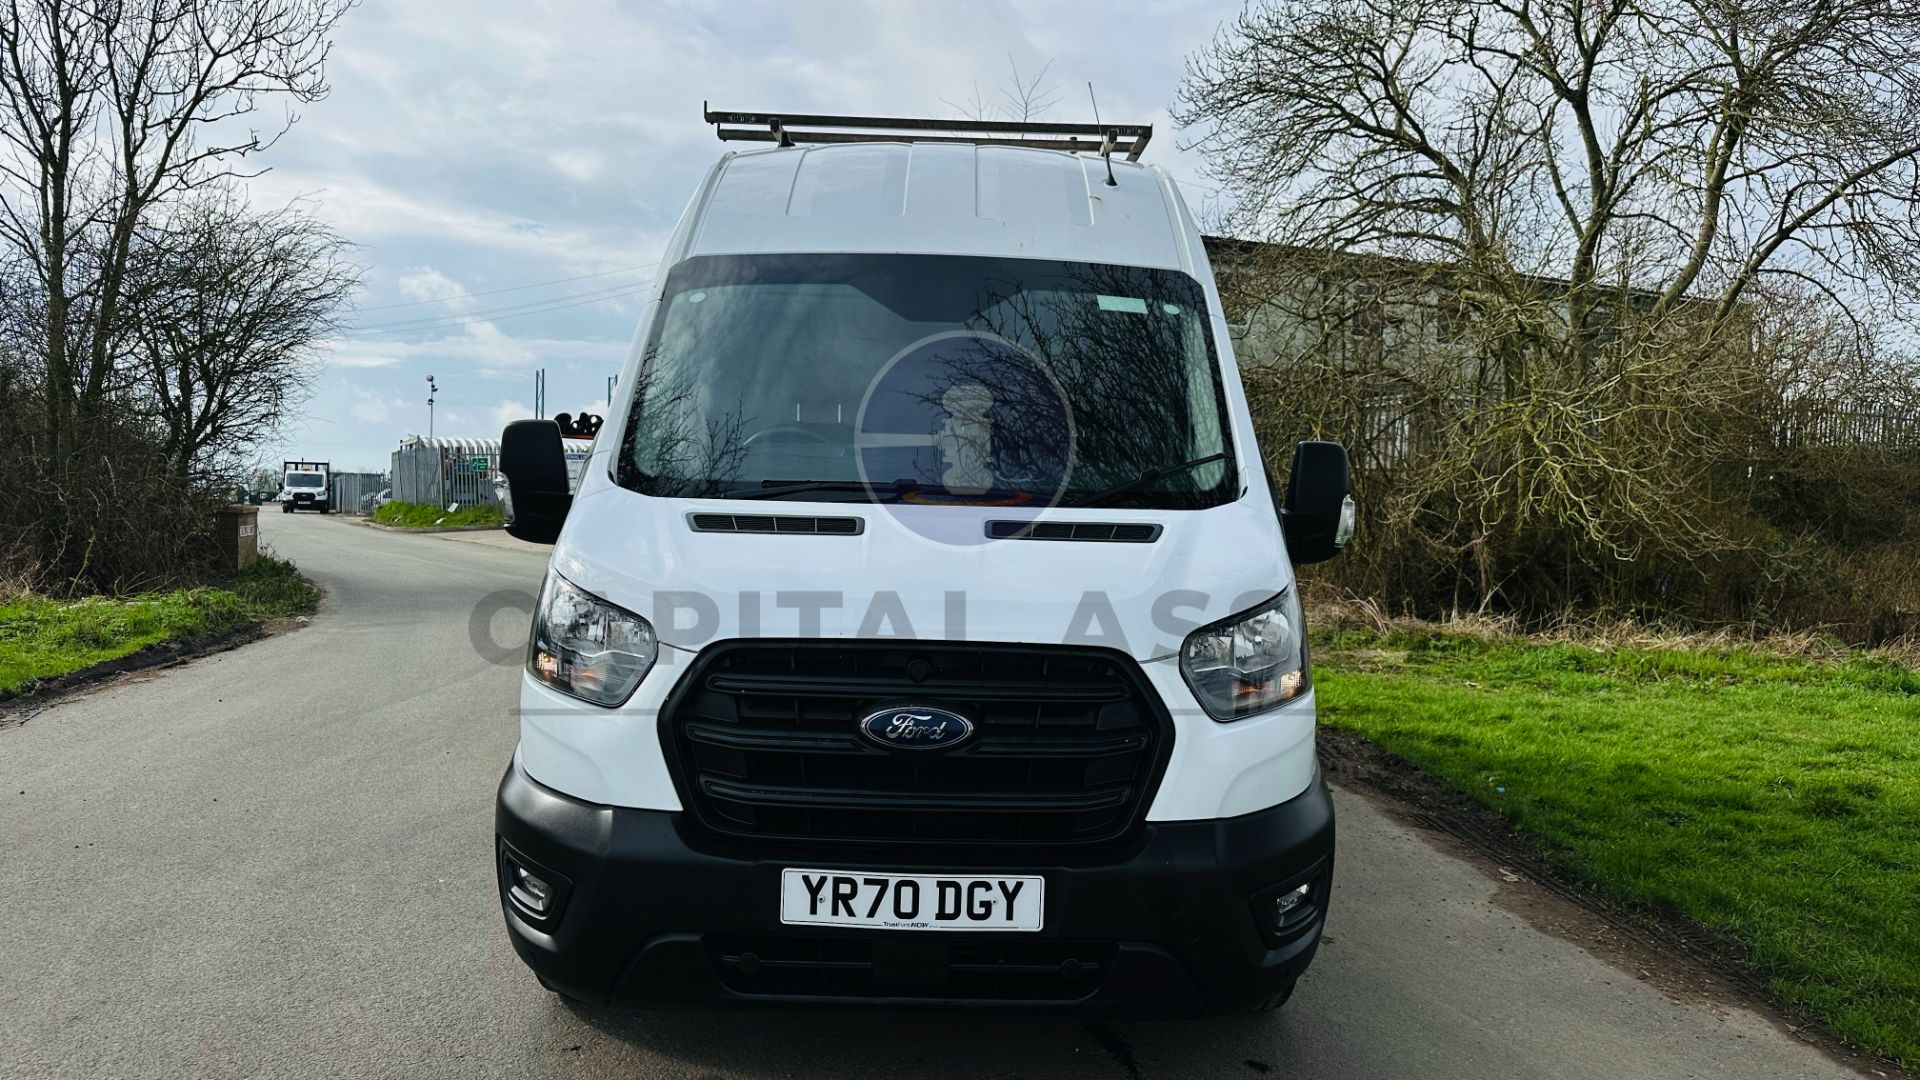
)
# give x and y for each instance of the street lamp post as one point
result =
(432, 387)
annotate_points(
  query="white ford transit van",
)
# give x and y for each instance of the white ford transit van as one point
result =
(923, 628)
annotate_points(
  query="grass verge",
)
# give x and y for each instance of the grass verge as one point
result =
(41, 637)
(1772, 798)
(427, 516)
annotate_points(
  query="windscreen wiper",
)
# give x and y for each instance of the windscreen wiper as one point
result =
(1143, 481)
(772, 489)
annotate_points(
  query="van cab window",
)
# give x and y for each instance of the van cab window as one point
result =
(930, 378)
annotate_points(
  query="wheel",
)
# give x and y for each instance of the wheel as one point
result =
(286, 508)
(1275, 1001)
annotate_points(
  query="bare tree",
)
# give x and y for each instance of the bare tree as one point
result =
(228, 308)
(1019, 99)
(109, 110)
(113, 114)
(1683, 148)
(1565, 238)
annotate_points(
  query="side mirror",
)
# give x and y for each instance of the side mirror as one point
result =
(535, 466)
(1318, 516)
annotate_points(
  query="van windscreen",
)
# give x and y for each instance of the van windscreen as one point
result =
(930, 378)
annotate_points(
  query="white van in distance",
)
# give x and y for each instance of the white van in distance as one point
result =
(304, 486)
(923, 629)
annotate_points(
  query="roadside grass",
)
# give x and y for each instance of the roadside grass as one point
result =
(41, 637)
(1769, 796)
(426, 515)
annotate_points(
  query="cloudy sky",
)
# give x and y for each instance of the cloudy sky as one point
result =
(473, 148)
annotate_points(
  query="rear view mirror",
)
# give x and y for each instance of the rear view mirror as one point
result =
(535, 466)
(1318, 516)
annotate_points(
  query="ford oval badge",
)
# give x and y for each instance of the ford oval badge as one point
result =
(916, 727)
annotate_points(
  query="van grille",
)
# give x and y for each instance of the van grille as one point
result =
(1069, 743)
(842, 966)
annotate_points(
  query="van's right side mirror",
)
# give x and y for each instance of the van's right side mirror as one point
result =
(535, 465)
(1318, 516)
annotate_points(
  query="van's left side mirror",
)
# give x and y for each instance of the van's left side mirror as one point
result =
(1318, 516)
(535, 465)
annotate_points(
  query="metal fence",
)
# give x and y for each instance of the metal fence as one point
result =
(1808, 425)
(351, 492)
(443, 471)
(1392, 429)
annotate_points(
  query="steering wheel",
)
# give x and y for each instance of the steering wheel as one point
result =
(806, 434)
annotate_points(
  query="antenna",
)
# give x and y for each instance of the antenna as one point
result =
(1107, 138)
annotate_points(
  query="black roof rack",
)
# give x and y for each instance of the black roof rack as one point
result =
(787, 129)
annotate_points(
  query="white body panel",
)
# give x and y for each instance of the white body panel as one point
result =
(639, 552)
(1142, 599)
(613, 756)
(950, 200)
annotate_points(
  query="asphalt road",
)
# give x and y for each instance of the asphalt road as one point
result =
(278, 862)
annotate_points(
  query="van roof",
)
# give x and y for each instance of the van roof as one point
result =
(942, 198)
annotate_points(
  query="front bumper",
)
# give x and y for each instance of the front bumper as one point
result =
(1175, 921)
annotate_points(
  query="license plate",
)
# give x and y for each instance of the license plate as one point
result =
(910, 901)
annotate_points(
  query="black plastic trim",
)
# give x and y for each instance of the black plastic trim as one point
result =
(1096, 532)
(680, 767)
(711, 521)
(1171, 922)
(507, 856)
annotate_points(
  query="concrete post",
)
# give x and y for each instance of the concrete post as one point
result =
(237, 528)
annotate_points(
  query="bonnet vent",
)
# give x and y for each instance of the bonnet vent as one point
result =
(1092, 531)
(772, 523)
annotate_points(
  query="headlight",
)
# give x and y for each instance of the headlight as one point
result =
(584, 646)
(1250, 662)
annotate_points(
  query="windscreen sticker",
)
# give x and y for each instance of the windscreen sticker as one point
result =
(1133, 305)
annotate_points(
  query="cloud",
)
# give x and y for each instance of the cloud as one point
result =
(479, 348)
(583, 165)
(424, 283)
(468, 147)
(508, 410)
(344, 354)
(366, 209)
(369, 407)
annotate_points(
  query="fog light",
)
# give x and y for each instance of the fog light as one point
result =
(531, 892)
(1293, 909)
